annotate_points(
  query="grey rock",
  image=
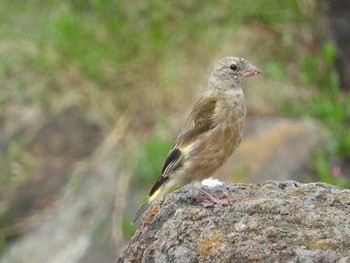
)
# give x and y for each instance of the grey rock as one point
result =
(272, 222)
(79, 227)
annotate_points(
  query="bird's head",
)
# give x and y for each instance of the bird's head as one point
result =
(231, 72)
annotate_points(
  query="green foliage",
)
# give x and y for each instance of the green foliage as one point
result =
(308, 67)
(128, 229)
(276, 69)
(329, 52)
(335, 115)
(270, 12)
(331, 107)
(324, 171)
(152, 155)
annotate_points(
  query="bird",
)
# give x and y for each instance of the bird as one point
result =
(212, 132)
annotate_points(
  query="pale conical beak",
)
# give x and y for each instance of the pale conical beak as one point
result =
(251, 70)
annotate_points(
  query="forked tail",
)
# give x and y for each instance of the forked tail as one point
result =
(144, 207)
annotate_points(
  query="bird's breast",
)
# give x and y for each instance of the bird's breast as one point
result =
(230, 116)
(217, 145)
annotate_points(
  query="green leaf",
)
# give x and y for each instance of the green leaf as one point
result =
(329, 52)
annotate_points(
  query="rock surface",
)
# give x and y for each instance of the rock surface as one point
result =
(79, 226)
(272, 222)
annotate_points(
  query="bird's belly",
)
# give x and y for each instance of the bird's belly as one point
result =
(215, 149)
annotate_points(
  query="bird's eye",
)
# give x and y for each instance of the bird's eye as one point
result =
(233, 67)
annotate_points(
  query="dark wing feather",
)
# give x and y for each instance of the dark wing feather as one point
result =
(172, 163)
(200, 121)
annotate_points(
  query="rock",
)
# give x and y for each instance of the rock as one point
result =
(274, 148)
(84, 224)
(67, 135)
(46, 156)
(272, 222)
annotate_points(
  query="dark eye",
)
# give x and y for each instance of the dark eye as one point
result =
(233, 67)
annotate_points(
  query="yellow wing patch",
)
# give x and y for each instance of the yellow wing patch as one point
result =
(155, 195)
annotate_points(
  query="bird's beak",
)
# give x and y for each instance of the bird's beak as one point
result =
(251, 70)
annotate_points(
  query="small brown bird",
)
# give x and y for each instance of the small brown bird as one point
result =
(211, 134)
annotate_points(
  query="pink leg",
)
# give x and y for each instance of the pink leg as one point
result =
(224, 199)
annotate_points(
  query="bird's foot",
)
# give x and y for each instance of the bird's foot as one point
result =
(223, 199)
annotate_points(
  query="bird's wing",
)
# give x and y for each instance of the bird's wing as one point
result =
(200, 121)
(172, 162)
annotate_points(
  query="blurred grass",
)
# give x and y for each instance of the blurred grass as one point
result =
(105, 57)
(105, 52)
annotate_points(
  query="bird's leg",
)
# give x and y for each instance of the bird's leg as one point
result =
(223, 199)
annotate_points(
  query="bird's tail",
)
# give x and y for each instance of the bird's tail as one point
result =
(144, 207)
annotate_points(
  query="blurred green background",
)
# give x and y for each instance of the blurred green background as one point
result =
(70, 70)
